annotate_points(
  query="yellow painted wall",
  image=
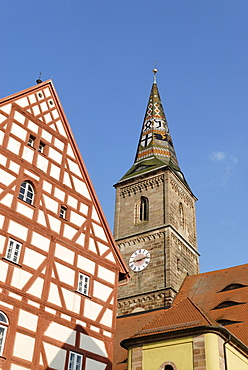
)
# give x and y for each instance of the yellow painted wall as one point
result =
(212, 351)
(179, 351)
(235, 360)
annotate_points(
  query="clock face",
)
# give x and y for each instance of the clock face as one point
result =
(139, 260)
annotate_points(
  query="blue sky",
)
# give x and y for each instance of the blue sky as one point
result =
(100, 55)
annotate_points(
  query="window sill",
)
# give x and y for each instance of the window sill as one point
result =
(12, 262)
(84, 295)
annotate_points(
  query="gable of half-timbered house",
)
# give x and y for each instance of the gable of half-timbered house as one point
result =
(59, 266)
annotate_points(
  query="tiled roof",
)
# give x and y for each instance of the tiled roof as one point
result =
(206, 290)
(126, 327)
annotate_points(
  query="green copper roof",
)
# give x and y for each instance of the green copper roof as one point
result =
(155, 147)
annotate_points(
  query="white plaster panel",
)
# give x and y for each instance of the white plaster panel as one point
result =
(28, 154)
(24, 210)
(41, 218)
(6, 108)
(24, 346)
(33, 127)
(55, 356)
(18, 131)
(3, 271)
(94, 365)
(55, 113)
(70, 151)
(2, 239)
(50, 310)
(80, 239)
(59, 194)
(32, 258)
(27, 320)
(91, 309)
(69, 231)
(43, 106)
(74, 167)
(53, 296)
(102, 248)
(7, 200)
(48, 117)
(53, 127)
(46, 136)
(6, 305)
(1, 137)
(101, 291)
(2, 118)
(66, 179)
(65, 317)
(14, 167)
(64, 254)
(32, 98)
(72, 201)
(83, 324)
(40, 241)
(13, 145)
(92, 246)
(66, 274)
(50, 203)
(81, 187)
(55, 223)
(110, 257)
(6, 178)
(59, 144)
(76, 219)
(36, 110)
(20, 278)
(60, 128)
(36, 288)
(86, 264)
(107, 318)
(55, 155)
(18, 230)
(29, 173)
(95, 215)
(96, 329)
(17, 367)
(99, 232)
(92, 345)
(72, 300)
(35, 304)
(23, 102)
(47, 186)
(42, 163)
(84, 208)
(106, 274)
(55, 171)
(47, 92)
(107, 333)
(61, 333)
(3, 160)
(19, 117)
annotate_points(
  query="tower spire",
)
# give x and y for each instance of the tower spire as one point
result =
(155, 146)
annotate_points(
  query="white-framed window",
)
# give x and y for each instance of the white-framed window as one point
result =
(83, 283)
(62, 212)
(26, 192)
(3, 330)
(41, 147)
(13, 250)
(31, 140)
(75, 361)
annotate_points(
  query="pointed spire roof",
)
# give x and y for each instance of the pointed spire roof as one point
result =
(155, 147)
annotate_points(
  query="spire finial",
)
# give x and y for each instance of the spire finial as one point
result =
(154, 73)
(39, 81)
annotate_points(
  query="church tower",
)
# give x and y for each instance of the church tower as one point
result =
(155, 221)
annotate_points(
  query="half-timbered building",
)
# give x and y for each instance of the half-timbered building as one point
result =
(59, 266)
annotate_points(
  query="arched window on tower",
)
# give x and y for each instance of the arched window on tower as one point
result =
(3, 330)
(142, 210)
(181, 215)
(26, 192)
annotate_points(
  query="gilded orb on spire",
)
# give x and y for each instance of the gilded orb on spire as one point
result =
(154, 71)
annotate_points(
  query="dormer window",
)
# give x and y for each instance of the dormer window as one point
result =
(31, 140)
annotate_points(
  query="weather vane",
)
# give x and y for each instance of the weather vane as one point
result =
(155, 71)
(39, 81)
